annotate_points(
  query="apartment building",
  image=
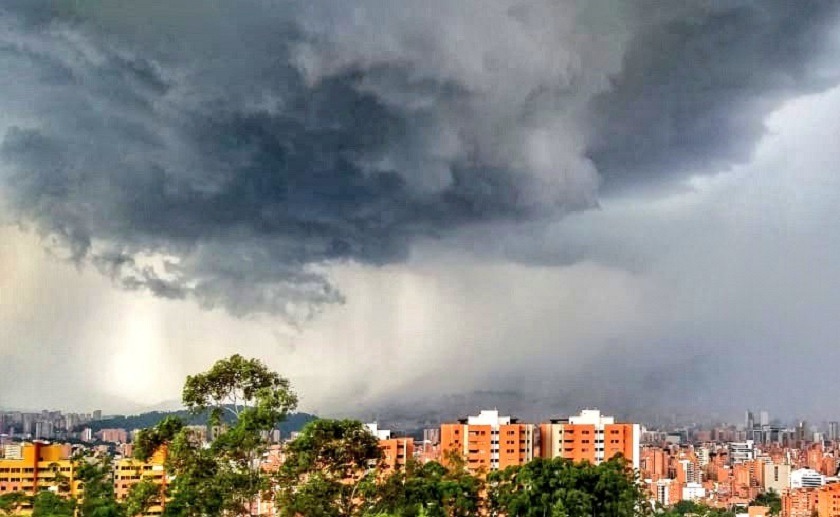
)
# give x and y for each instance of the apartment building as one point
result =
(489, 441)
(590, 436)
(395, 451)
(113, 435)
(800, 502)
(129, 472)
(33, 467)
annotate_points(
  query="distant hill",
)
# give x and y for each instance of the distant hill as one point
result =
(294, 422)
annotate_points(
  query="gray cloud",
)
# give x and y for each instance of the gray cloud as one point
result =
(695, 88)
(230, 153)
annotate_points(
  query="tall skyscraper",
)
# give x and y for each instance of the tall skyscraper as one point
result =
(749, 420)
(833, 431)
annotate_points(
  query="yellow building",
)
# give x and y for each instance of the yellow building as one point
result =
(33, 467)
(129, 472)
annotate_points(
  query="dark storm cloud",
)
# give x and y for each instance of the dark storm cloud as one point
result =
(694, 91)
(226, 153)
(241, 199)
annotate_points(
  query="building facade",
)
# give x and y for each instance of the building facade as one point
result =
(129, 472)
(32, 467)
(489, 441)
(590, 436)
(395, 451)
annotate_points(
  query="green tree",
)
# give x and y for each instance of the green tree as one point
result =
(561, 488)
(428, 490)
(329, 469)
(11, 503)
(224, 478)
(770, 499)
(96, 476)
(141, 497)
(149, 441)
(240, 385)
(48, 504)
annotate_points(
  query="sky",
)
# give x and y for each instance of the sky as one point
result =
(545, 204)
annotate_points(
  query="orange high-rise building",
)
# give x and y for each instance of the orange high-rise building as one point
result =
(828, 501)
(489, 442)
(590, 437)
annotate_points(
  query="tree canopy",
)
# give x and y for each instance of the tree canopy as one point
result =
(693, 509)
(328, 469)
(224, 477)
(771, 500)
(11, 503)
(48, 504)
(561, 488)
(428, 490)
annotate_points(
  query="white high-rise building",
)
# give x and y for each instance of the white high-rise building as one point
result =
(806, 478)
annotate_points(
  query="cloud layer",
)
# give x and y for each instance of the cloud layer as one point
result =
(544, 194)
(228, 153)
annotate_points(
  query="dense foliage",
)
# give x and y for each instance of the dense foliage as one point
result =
(427, 490)
(48, 504)
(11, 503)
(327, 470)
(692, 509)
(771, 500)
(561, 488)
(96, 477)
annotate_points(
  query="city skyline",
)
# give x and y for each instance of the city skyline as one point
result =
(624, 205)
(787, 472)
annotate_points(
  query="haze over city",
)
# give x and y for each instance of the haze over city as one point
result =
(552, 204)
